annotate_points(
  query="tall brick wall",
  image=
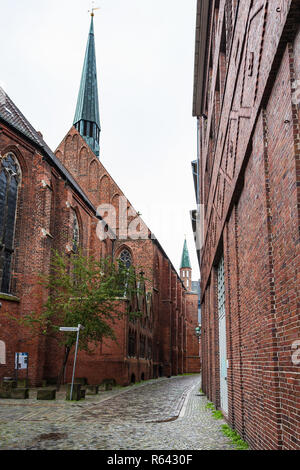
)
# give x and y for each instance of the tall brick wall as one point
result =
(192, 355)
(43, 223)
(166, 332)
(250, 189)
(282, 135)
(29, 259)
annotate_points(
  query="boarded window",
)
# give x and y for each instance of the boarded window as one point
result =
(94, 176)
(2, 353)
(131, 343)
(142, 346)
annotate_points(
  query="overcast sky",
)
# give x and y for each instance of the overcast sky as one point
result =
(145, 60)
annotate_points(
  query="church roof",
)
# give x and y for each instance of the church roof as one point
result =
(10, 114)
(87, 104)
(185, 259)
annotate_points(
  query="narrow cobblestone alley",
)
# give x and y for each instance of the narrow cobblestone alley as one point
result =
(164, 414)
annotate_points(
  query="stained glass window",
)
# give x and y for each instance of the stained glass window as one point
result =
(131, 343)
(10, 177)
(76, 237)
(125, 257)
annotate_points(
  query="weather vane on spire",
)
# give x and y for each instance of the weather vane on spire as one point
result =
(93, 9)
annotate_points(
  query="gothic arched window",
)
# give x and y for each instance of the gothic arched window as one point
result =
(75, 235)
(10, 178)
(131, 343)
(126, 258)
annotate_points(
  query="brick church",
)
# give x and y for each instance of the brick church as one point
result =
(247, 104)
(50, 201)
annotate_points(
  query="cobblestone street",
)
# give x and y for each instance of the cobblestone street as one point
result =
(163, 414)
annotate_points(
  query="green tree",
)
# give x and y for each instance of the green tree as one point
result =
(84, 291)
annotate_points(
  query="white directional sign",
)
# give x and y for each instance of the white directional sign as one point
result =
(68, 328)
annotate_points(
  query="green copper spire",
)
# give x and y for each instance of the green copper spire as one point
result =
(87, 117)
(185, 260)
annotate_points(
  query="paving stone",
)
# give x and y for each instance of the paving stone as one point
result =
(163, 414)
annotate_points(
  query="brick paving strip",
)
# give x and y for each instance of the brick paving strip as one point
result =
(163, 414)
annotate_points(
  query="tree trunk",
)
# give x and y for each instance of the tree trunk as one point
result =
(63, 368)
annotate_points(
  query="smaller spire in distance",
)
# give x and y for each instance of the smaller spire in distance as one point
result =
(185, 259)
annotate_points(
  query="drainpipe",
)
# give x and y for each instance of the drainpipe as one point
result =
(198, 163)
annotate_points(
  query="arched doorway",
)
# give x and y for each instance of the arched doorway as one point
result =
(132, 380)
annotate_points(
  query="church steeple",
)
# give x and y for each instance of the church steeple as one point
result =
(87, 116)
(185, 259)
(186, 268)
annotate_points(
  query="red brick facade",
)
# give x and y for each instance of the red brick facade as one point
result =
(193, 350)
(48, 196)
(246, 72)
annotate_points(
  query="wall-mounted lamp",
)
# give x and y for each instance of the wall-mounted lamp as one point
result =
(198, 331)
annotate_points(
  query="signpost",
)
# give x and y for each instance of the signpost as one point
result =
(68, 328)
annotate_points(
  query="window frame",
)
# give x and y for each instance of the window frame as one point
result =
(7, 247)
